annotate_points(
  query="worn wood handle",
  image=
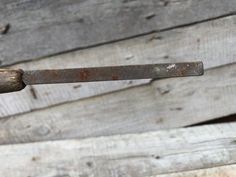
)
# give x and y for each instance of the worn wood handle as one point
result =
(11, 80)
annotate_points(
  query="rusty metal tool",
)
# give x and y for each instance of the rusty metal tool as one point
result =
(15, 80)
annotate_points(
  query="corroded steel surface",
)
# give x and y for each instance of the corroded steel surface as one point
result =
(153, 71)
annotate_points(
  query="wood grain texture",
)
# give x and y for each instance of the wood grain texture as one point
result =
(162, 104)
(224, 171)
(42, 28)
(134, 155)
(211, 42)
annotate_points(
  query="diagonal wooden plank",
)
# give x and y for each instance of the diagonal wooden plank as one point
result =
(211, 42)
(46, 27)
(223, 171)
(134, 155)
(162, 104)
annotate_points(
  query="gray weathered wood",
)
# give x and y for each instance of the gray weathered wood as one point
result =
(134, 155)
(223, 171)
(162, 104)
(46, 27)
(211, 42)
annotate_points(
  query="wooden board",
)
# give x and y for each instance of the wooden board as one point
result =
(212, 42)
(162, 104)
(42, 28)
(134, 155)
(224, 171)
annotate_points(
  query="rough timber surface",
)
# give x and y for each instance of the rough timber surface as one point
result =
(211, 42)
(223, 171)
(41, 28)
(167, 31)
(163, 104)
(136, 155)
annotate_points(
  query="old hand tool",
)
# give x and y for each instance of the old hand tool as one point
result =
(15, 80)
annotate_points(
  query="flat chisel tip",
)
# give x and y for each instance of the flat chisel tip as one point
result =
(199, 68)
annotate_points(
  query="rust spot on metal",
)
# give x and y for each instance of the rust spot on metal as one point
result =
(54, 73)
(115, 77)
(84, 74)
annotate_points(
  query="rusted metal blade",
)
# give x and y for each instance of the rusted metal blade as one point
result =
(154, 71)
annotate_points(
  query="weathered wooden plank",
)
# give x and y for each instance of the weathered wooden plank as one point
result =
(162, 104)
(211, 42)
(46, 27)
(224, 171)
(134, 155)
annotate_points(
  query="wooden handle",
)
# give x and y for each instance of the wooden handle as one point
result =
(11, 80)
